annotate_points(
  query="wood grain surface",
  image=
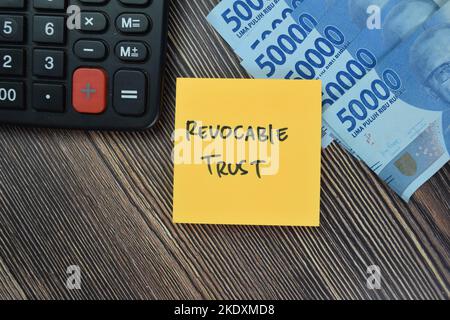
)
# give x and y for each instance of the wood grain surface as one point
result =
(102, 201)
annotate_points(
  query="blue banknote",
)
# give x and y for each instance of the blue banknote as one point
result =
(235, 20)
(398, 19)
(341, 48)
(292, 8)
(285, 45)
(396, 119)
(295, 29)
(257, 36)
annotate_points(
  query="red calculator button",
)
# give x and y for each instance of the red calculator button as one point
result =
(89, 90)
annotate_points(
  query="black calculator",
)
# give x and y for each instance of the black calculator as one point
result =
(86, 64)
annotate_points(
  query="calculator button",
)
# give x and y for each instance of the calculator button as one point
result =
(130, 92)
(132, 51)
(135, 2)
(89, 90)
(93, 21)
(16, 4)
(11, 28)
(133, 23)
(90, 50)
(48, 63)
(49, 29)
(12, 95)
(50, 4)
(48, 97)
(11, 61)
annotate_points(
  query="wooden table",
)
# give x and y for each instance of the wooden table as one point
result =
(102, 201)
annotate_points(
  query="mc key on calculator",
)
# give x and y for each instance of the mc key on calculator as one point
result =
(87, 64)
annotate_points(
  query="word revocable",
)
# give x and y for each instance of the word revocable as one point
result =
(239, 132)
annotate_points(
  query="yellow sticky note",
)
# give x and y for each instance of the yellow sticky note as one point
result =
(247, 152)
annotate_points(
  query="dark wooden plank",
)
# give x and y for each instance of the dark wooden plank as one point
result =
(9, 288)
(103, 201)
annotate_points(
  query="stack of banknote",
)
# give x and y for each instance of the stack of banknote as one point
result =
(384, 66)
